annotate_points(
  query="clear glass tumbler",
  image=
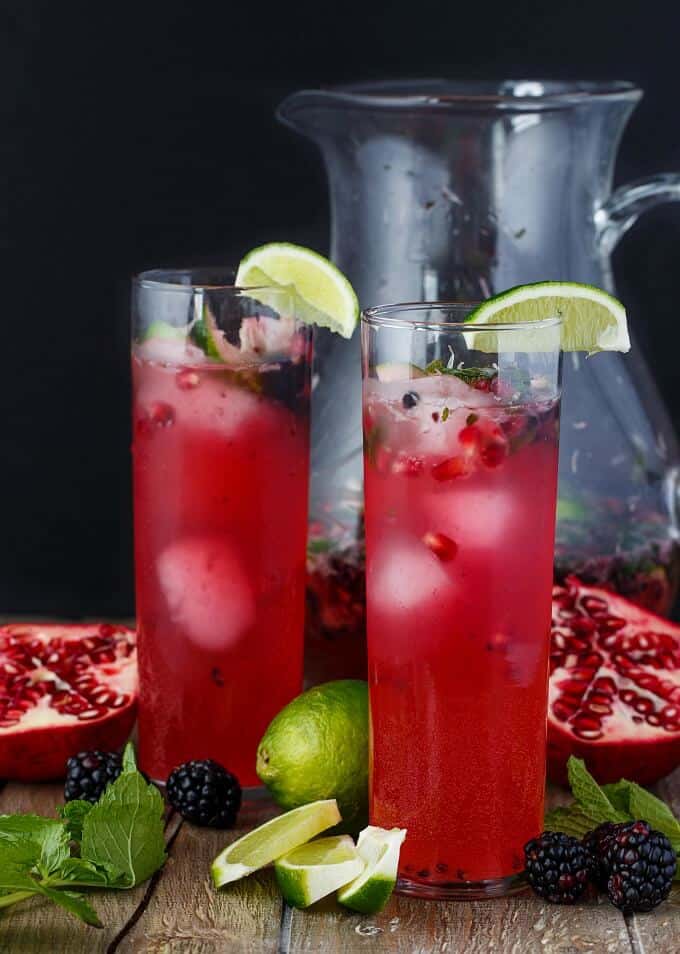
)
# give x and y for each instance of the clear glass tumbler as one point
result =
(460, 455)
(220, 462)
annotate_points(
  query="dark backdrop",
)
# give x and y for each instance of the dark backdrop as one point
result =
(141, 134)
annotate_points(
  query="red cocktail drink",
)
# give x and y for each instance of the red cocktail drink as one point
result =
(460, 484)
(220, 482)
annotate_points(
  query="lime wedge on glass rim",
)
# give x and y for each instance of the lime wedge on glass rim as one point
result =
(275, 838)
(379, 848)
(321, 293)
(592, 319)
(317, 869)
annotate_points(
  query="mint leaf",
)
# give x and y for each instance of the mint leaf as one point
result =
(124, 830)
(129, 761)
(569, 820)
(86, 874)
(19, 850)
(33, 826)
(73, 813)
(73, 903)
(652, 810)
(591, 800)
(54, 850)
(15, 877)
(618, 794)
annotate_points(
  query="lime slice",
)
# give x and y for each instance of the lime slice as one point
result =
(317, 869)
(161, 329)
(379, 848)
(322, 295)
(592, 320)
(272, 840)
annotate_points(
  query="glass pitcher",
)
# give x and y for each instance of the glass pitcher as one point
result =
(457, 190)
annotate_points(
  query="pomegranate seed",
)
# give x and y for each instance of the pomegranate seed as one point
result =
(611, 624)
(598, 708)
(653, 719)
(451, 468)
(563, 709)
(559, 641)
(593, 605)
(119, 701)
(93, 713)
(583, 625)
(627, 696)
(588, 735)
(162, 414)
(670, 713)
(442, 546)
(186, 379)
(7, 723)
(470, 436)
(573, 687)
(591, 660)
(494, 453)
(643, 706)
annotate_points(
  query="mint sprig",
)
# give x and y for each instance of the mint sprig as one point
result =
(621, 801)
(116, 843)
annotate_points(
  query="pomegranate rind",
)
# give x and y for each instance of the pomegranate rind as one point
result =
(44, 661)
(635, 737)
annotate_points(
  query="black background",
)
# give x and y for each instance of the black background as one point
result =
(141, 135)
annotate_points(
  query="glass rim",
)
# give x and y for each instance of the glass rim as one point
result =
(161, 279)
(387, 316)
(440, 92)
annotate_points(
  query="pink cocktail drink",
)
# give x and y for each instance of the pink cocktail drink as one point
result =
(220, 483)
(460, 484)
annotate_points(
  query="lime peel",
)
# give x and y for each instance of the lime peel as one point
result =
(274, 838)
(317, 869)
(320, 294)
(592, 319)
(379, 848)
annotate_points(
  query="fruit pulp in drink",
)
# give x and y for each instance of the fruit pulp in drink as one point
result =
(220, 488)
(460, 514)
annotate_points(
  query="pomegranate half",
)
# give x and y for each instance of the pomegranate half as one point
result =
(63, 689)
(614, 687)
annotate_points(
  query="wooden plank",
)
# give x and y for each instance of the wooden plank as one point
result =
(659, 931)
(522, 924)
(185, 914)
(37, 927)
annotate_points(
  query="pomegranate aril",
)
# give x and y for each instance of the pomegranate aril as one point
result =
(670, 713)
(442, 546)
(162, 414)
(470, 436)
(628, 696)
(643, 706)
(494, 453)
(573, 687)
(93, 713)
(186, 379)
(611, 624)
(451, 468)
(653, 719)
(593, 605)
(583, 625)
(564, 709)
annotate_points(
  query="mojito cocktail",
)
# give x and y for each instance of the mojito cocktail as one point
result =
(460, 481)
(220, 419)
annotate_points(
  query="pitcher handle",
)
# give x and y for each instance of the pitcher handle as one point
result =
(626, 205)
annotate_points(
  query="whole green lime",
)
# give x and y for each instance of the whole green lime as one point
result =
(317, 747)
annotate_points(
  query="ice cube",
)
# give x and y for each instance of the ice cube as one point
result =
(405, 577)
(207, 591)
(475, 517)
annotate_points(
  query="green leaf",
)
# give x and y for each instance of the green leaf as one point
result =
(78, 871)
(19, 850)
(129, 761)
(569, 820)
(15, 877)
(651, 809)
(34, 826)
(319, 545)
(618, 794)
(73, 903)
(54, 850)
(74, 814)
(591, 800)
(124, 830)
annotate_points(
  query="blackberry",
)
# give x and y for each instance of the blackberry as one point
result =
(88, 774)
(410, 399)
(558, 867)
(641, 864)
(597, 842)
(204, 793)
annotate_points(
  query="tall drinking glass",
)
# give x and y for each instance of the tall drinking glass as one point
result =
(220, 463)
(460, 440)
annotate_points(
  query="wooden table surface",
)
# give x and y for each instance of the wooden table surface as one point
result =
(178, 910)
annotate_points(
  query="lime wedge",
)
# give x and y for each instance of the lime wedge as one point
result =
(317, 869)
(592, 320)
(275, 838)
(322, 294)
(379, 848)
